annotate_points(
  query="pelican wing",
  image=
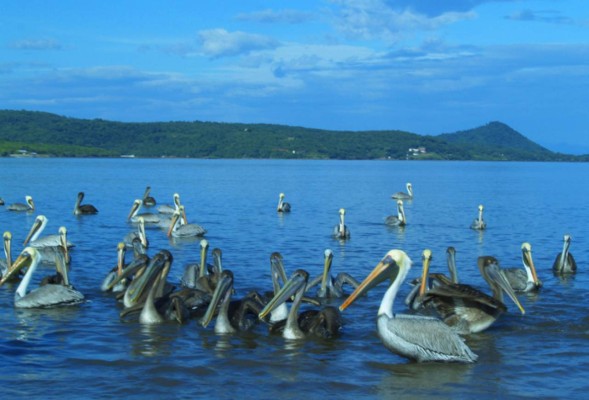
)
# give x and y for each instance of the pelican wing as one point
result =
(426, 339)
(50, 295)
(465, 293)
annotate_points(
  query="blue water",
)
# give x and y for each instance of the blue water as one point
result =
(88, 351)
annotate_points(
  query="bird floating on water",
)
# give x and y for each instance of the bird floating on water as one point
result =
(283, 206)
(341, 231)
(83, 209)
(524, 279)
(403, 195)
(565, 262)
(479, 224)
(28, 206)
(415, 337)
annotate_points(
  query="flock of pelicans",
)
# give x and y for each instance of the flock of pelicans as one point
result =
(205, 293)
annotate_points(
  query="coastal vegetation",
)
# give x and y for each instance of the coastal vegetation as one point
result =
(45, 134)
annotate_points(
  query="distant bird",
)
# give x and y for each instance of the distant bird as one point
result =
(403, 195)
(83, 209)
(283, 206)
(341, 231)
(1, 201)
(565, 262)
(180, 228)
(148, 218)
(148, 201)
(169, 209)
(29, 206)
(399, 219)
(416, 337)
(524, 279)
(479, 224)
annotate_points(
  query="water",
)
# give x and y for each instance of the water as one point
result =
(88, 351)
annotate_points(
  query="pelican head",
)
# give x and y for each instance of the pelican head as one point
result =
(25, 259)
(277, 271)
(327, 261)
(529, 263)
(426, 257)
(222, 290)
(495, 277)
(36, 229)
(134, 208)
(30, 202)
(295, 284)
(394, 266)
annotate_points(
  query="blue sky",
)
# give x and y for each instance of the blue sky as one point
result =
(427, 67)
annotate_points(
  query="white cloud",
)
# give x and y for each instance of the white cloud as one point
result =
(218, 43)
(36, 44)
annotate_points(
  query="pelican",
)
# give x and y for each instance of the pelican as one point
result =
(399, 219)
(416, 337)
(136, 290)
(169, 209)
(83, 209)
(117, 270)
(192, 272)
(341, 231)
(6, 264)
(37, 228)
(466, 309)
(565, 262)
(325, 323)
(139, 233)
(526, 279)
(180, 228)
(232, 316)
(420, 285)
(49, 295)
(148, 218)
(29, 206)
(283, 206)
(403, 195)
(119, 278)
(160, 306)
(148, 201)
(278, 274)
(479, 224)
(331, 287)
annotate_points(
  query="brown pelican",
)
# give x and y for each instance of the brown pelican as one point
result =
(160, 306)
(341, 231)
(403, 195)
(526, 279)
(416, 337)
(399, 219)
(466, 309)
(148, 218)
(325, 323)
(565, 262)
(83, 209)
(29, 206)
(283, 206)
(6, 263)
(139, 233)
(148, 201)
(37, 228)
(169, 209)
(119, 278)
(422, 284)
(232, 316)
(192, 272)
(117, 270)
(180, 228)
(331, 287)
(479, 224)
(137, 290)
(49, 295)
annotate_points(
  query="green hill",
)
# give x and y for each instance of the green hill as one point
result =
(54, 135)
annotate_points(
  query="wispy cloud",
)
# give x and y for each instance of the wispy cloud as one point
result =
(36, 44)
(379, 19)
(276, 16)
(548, 16)
(217, 43)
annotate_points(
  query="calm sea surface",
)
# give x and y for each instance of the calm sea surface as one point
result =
(87, 351)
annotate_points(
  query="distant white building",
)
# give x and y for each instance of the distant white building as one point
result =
(415, 151)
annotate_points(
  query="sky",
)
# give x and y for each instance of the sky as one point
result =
(422, 66)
